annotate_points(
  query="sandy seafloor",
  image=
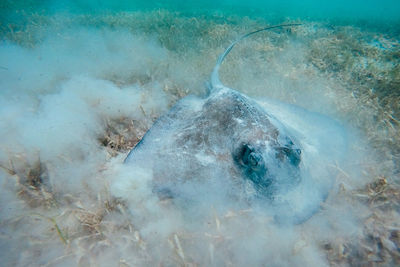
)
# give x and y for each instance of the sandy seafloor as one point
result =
(78, 90)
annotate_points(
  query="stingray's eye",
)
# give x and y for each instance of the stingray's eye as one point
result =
(293, 155)
(247, 156)
(254, 159)
(251, 162)
(243, 153)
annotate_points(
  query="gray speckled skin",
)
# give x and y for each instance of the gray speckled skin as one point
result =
(224, 134)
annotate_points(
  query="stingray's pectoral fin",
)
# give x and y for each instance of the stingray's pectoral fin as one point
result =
(288, 216)
(163, 193)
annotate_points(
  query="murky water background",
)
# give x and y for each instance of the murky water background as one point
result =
(81, 83)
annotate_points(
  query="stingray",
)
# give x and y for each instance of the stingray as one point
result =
(228, 144)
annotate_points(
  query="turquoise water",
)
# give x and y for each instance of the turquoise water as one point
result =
(357, 9)
(368, 12)
(82, 81)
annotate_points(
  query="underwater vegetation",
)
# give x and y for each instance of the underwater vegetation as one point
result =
(79, 91)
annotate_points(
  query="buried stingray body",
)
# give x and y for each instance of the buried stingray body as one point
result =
(228, 144)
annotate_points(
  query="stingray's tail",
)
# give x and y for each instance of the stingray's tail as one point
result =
(215, 82)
